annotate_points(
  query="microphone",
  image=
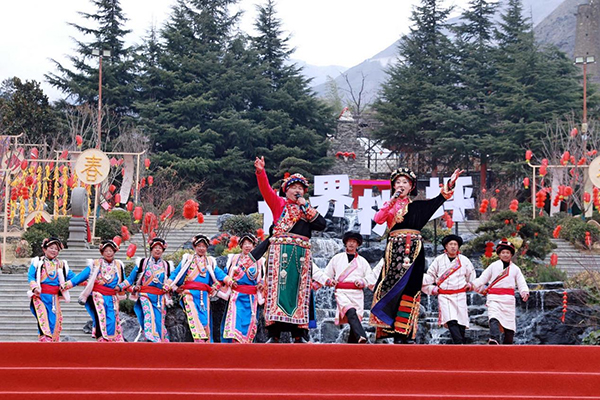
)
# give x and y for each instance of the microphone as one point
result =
(302, 207)
(398, 193)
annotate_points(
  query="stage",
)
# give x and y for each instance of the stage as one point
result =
(296, 371)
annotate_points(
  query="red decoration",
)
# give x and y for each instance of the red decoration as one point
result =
(34, 153)
(150, 223)
(112, 188)
(514, 205)
(553, 259)
(79, 140)
(494, 203)
(118, 199)
(573, 132)
(29, 180)
(526, 182)
(190, 209)
(260, 233)
(138, 213)
(484, 206)
(131, 250)
(286, 175)
(543, 170)
(564, 307)
(489, 249)
(129, 206)
(150, 180)
(581, 161)
(215, 241)
(23, 165)
(588, 239)
(233, 241)
(64, 154)
(125, 233)
(587, 197)
(556, 232)
(200, 218)
(528, 155)
(118, 240)
(564, 160)
(147, 163)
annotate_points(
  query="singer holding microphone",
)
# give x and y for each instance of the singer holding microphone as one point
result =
(289, 261)
(397, 294)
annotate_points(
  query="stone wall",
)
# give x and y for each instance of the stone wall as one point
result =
(587, 41)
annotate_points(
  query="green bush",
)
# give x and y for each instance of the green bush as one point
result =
(107, 228)
(126, 306)
(548, 273)
(574, 229)
(122, 216)
(36, 233)
(177, 256)
(239, 224)
(592, 339)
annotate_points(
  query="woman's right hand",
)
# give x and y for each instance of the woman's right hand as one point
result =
(259, 164)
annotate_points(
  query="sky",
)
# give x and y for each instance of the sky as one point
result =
(323, 32)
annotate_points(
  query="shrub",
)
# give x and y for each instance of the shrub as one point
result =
(126, 306)
(548, 273)
(38, 232)
(122, 216)
(239, 224)
(177, 255)
(593, 338)
(107, 228)
(574, 229)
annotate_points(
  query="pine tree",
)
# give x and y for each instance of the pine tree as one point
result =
(80, 84)
(419, 94)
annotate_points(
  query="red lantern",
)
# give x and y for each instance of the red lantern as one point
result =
(125, 233)
(484, 206)
(200, 218)
(112, 188)
(23, 165)
(233, 241)
(64, 154)
(150, 180)
(29, 180)
(543, 170)
(588, 239)
(260, 233)
(147, 163)
(215, 242)
(514, 205)
(118, 240)
(553, 259)
(190, 209)
(568, 190)
(556, 232)
(143, 183)
(526, 182)
(587, 197)
(489, 249)
(131, 250)
(150, 223)
(528, 155)
(122, 171)
(118, 199)
(573, 132)
(565, 158)
(79, 140)
(137, 214)
(581, 161)
(129, 206)
(35, 153)
(494, 203)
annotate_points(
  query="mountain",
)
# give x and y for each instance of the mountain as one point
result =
(550, 18)
(318, 74)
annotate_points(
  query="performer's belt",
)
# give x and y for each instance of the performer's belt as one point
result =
(104, 290)
(508, 291)
(399, 235)
(151, 290)
(196, 286)
(346, 285)
(451, 291)
(290, 238)
(49, 289)
(246, 289)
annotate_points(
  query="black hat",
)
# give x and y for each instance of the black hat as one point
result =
(52, 240)
(295, 178)
(504, 244)
(449, 238)
(407, 173)
(247, 236)
(200, 238)
(352, 235)
(106, 243)
(158, 242)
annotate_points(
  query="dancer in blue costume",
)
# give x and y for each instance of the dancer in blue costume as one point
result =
(197, 277)
(101, 294)
(244, 286)
(146, 282)
(46, 275)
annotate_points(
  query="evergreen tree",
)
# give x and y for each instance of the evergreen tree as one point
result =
(80, 84)
(24, 108)
(419, 95)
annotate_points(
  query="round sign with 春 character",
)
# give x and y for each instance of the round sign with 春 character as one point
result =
(594, 171)
(92, 167)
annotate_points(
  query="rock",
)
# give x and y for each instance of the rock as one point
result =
(130, 327)
(372, 252)
(221, 220)
(87, 328)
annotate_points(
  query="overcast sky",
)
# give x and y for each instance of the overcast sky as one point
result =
(324, 32)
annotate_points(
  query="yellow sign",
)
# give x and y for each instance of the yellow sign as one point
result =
(92, 167)
(594, 171)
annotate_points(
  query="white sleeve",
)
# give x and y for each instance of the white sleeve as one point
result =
(521, 283)
(484, 278)
(318, 274)
(430, 277)
(470, 270)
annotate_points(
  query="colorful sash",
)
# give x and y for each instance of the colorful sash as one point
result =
(104, 290)
(191, 285)
(288, 218)
(49, 289)
(451, 291)
(446, 275)
(246, 289)
(502, 275)
(151, 290)
(346, 285)
(507, 291)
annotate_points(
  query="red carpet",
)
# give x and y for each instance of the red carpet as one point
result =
(288, 371)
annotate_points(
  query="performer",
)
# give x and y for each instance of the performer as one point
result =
(197, 278)
(101, 294)
(244, 276)
(349, 273)
(397, 295)
(449, 277)
(46, 275)
(146, 282)
(498, 282)
(289, 262)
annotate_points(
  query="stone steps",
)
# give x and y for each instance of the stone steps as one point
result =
(571, 260)
(18, 324)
